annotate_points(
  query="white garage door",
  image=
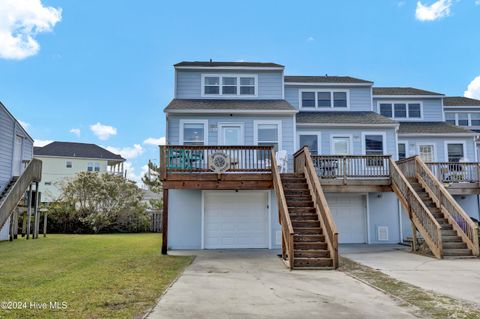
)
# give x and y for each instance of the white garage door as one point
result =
(350, 214)
(235, 220)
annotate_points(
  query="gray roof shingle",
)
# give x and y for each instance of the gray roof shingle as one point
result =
(229, 64)
(324, 79)
(210, 104)
(460, 101)
(70, 149)
(340, 117)
(431, 128)
(402, 91)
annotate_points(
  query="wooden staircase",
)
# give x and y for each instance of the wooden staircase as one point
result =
(7, 188)
(310, 247)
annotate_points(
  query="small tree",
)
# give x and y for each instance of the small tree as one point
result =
(151, 179)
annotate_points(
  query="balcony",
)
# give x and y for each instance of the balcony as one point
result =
(458, 178)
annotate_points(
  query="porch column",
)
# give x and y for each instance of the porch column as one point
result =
(165, 222)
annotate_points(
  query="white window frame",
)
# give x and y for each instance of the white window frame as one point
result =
(229, 75)
(221, 140)
(428, 144)
(408, 118)
(406, 148)
(350, 138)
(256, 123)
(384, 141)
(332, 99)
(319, 138)
(469, 118)
(464, 144)
(205, 131)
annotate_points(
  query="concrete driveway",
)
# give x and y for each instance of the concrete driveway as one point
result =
(256, 284)
(458, 278)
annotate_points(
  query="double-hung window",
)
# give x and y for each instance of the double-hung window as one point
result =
(268, 134)
(401, 110)
(450, 118)
(229, 85)
(93, 167)
(324, 99)
(68, 164)
(455, 152)
(193, 132)
(374, 146)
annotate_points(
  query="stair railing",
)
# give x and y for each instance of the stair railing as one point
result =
(32, 173)
(284, 216)
(304, 164)
(455, 214)
(419, 214)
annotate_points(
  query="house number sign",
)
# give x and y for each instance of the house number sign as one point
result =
(218, 162)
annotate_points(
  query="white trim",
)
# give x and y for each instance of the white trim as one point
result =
(327, 84)
(205, 129)
(434, 144)
(230, 111)
(407, 103)
(220, 85)
(317, 133)
(229, 68)
(347, 124)
(268, 209)
(283, 85)
(439, 134)
(349, 136)
(384, 140)
(367, 208)
(275, 122)
(453, 108)
(445, 149)
(332, 99)
(220, 136)
(295, 145)
(408, 96)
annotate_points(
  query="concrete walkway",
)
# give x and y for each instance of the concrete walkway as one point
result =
(256, 284)
(458, 278)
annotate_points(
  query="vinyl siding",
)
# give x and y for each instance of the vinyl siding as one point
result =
(360, 97)
(439, 148)
(432, 108)
(189, 84)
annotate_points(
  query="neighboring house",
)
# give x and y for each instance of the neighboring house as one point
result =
(63, 160)
(229, 113)
(16, 151)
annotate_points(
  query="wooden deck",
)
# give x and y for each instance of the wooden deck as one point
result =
(458, 178)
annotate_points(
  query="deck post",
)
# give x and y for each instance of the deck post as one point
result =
(414, 238)
(15, 226)
(10, 230)
(45, 218)
(36, 212)
(165, 222)
(29, 210)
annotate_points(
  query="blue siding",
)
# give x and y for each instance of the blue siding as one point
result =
(439, 148)
(188, 84)
(383, 211)
(432, 108)
(360, 97)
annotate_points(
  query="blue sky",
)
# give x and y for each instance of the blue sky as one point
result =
(110, 62)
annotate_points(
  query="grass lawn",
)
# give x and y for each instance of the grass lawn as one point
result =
(98, 276)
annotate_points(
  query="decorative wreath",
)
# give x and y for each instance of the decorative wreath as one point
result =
(218, 162)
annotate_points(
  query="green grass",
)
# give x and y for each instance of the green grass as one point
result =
(98, 276)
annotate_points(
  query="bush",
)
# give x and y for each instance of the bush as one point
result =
(93, 203)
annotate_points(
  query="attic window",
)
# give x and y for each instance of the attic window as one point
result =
(324, 99)
(229, 85)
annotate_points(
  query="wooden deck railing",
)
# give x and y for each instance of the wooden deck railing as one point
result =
(195, 159)
(452, 172)
(304, 164)
(419, 214)
(284, 216)
(351, 166)
(460, 220)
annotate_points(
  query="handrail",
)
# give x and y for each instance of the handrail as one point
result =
(351, 166)
(420, 215)
(320, 202)
(461, 222)
(455, 172)
(32, 173)
(284, 216)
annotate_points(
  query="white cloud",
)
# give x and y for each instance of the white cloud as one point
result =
(127, 152)
(103, 132)
(477, 2)
(41, 143)
(310, 39)
(473, 89)
(20, 22)
(25, 125)
(155, 141)
(435, 11)
(131, 175)
(75, 131)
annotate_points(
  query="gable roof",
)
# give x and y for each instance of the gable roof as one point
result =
(80, 150)
(341, 117)
(460, 101)
(16, 121)
(403, 91)
(427, 128)
(228, 64)
(324, 79)
(212, 105)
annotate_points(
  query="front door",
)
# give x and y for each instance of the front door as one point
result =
(341, 145)
(231, 134)
(17, 156)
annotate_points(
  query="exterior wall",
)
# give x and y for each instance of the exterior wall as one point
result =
(55, 171)
(470, 205)
(185, 219)
(432, 109)
(5, 230)
(189, 84)
(440, 146)
(356, 137)
(360, 97)
(383, 211)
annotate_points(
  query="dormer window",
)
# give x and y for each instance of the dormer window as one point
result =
(324, 99)
(229, 85)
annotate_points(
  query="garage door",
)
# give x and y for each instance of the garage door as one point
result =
(235, 220)
(350, 214)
